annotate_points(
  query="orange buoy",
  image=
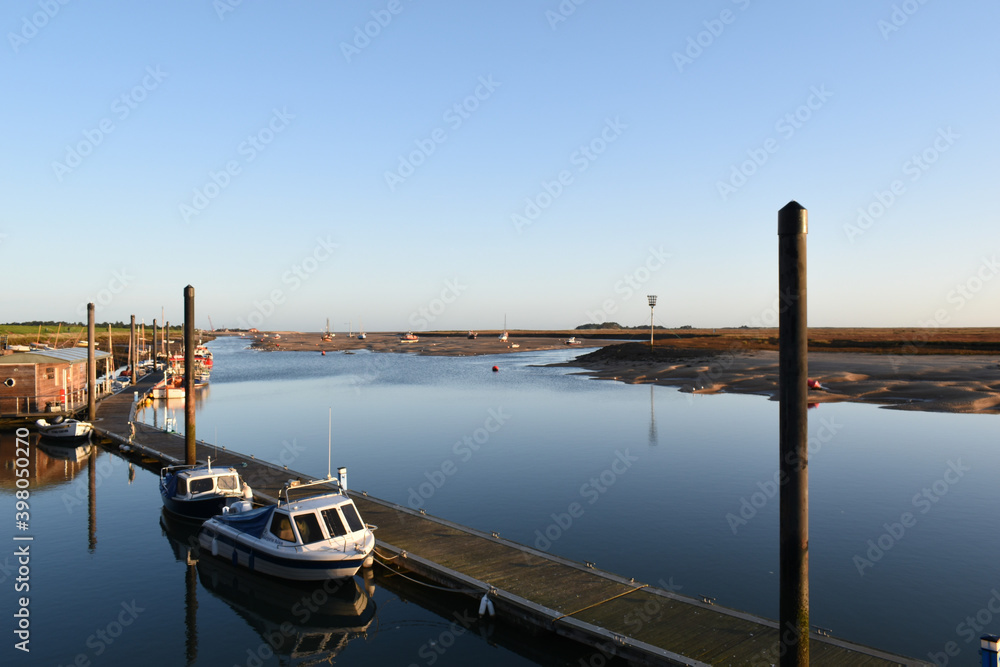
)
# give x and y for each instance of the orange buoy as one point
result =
(496, 369)
(323, 352)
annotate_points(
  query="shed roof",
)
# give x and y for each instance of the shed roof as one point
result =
(63, 355)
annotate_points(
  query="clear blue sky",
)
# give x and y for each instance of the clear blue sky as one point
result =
(147, 146)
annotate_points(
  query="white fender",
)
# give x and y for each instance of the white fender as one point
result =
(486, 605)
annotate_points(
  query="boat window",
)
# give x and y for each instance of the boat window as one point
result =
(201, 485)
(351, 514)
(334, 523)
(228, 483)
(182, 486)
(281, 528)
(308, 528)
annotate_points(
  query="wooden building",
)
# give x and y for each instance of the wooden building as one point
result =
(44, 380)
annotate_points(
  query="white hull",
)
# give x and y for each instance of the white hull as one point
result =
(311, 563)
(70, 428)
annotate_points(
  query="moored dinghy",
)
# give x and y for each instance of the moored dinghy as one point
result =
(310, 538)
(201, 492)
(64, 429)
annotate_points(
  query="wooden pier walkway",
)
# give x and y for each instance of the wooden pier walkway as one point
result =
(614, 615)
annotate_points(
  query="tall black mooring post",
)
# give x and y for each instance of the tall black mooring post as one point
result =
(189, 441)
(793, 371)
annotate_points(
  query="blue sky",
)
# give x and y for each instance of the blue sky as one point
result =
(439, 165)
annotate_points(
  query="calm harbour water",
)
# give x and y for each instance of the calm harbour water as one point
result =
(675, 490)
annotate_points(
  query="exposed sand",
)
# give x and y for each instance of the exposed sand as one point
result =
(940, 383)
(429, 344)
(937, 383)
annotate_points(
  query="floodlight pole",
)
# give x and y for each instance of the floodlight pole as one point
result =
(652, 302)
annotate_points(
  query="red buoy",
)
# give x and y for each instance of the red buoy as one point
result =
(323, 352)
(496, 369)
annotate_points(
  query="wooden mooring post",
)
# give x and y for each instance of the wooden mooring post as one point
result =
(189, 441)
(132, 354)
(91, 365)
(793, 612)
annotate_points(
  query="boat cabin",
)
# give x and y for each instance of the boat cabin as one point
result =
(315, 520)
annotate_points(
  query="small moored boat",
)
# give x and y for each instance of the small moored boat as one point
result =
(409, 337)
(64, 429)
(201, 492)
(312, 538)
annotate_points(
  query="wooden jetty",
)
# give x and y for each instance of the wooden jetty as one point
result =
(614, 615)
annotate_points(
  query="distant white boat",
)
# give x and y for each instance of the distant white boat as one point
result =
(573, 341)
(503, 334)
(64, 429)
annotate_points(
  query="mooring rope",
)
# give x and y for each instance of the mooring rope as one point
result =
(423, 583)
(613, 597)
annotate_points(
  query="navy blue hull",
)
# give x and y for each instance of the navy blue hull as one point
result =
(202, 508)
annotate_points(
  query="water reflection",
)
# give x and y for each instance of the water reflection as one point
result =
(653, 439)
(50, 462)
(168, 413)
(297, 621)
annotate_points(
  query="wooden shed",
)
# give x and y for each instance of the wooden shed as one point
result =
(44, 380)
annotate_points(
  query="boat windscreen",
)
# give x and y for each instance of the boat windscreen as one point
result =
(352, 516)
(228, 483)
(308, 527)
(334, 523)
(200, 485)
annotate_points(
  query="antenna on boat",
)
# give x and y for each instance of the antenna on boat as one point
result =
(329, 444)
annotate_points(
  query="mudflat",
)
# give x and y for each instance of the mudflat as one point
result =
(943, 370)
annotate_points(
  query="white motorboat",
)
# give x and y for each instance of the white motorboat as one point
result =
(312, 538)
(64, 429)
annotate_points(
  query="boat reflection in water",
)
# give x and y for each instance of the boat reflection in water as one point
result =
(64, 451)
(300, 621)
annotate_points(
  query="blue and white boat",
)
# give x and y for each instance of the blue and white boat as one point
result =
(200, 492)
(315, 537)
